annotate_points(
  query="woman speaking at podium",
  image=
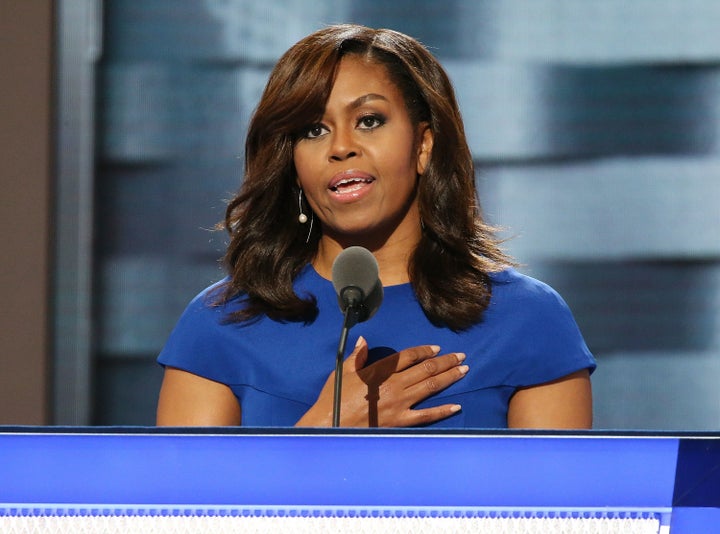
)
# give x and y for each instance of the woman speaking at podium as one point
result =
(358, 141)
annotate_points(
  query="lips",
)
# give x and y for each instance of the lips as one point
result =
(350, 182)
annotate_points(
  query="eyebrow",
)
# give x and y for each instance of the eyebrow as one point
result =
(365, 98)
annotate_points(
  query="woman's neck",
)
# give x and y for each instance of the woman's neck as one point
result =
(393, 257)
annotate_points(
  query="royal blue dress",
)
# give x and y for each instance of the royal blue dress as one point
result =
(276, 369)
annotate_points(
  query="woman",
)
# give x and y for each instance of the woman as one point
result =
(358, 140)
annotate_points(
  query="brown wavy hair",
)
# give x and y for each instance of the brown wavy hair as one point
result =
(268, 249)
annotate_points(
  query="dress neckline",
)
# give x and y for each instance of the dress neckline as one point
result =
(311, 269)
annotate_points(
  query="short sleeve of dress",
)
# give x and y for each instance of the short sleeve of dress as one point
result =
(540, 339)
(198, 344)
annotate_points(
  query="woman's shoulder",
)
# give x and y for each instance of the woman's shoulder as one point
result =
(513, 281)
(211, 297)
(204, 311)
(520, 293)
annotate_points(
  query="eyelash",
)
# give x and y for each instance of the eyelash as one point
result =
(307, 132)
(378, 121)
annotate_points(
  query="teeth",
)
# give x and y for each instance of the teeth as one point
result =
(350, 181)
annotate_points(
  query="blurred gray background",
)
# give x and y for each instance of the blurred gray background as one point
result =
(595, 126)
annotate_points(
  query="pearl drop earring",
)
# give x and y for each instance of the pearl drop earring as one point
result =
(302, 218)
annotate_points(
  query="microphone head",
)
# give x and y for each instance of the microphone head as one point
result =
(356, 281)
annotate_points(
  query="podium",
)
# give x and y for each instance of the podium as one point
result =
(299, 480)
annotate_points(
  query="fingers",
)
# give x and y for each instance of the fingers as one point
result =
(447, 366)
(419, 370)
(414, 355)
(425, 378)
(426, 416)
(359, 354)
(393, 385)
(432, 376)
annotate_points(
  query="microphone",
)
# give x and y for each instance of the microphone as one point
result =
(356, 281)
(360, 293)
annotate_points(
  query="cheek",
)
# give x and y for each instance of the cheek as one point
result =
(300, 162)
(408, 166)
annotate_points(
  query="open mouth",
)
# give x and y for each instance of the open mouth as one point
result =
(350, 185)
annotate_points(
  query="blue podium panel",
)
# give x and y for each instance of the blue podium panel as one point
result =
(91, 472)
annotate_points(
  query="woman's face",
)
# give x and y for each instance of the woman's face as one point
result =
(358, 166)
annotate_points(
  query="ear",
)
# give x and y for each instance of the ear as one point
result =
(425, 145)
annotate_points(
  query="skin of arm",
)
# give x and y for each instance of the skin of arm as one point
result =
(190, 400)
(565, 403)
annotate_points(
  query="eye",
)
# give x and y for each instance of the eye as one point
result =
(370, 122)
(314, 131)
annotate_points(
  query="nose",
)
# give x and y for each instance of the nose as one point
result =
(343, 145)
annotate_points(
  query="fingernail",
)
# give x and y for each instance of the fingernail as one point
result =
(435, 349)
(460, 357)
(455, 408)
(463, 369)
(359, 342)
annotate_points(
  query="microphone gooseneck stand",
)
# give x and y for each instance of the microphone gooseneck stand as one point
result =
(353, 296)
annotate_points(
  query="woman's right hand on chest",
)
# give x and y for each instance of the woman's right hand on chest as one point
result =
(384, 393)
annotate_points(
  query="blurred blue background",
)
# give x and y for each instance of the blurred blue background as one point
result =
(595, 126)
